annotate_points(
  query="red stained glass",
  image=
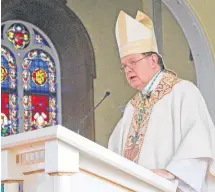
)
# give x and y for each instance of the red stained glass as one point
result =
(5, 103)
(19, 36)
(40, 113)
(5, 131)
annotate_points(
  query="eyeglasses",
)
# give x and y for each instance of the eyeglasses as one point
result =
(130, 64)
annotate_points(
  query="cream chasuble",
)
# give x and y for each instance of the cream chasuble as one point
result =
(175, 126)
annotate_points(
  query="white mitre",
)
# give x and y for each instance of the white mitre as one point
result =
(135, 35)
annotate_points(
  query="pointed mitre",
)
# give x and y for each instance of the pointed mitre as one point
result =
(135, 35)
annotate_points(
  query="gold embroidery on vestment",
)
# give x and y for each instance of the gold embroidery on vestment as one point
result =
(137, 131)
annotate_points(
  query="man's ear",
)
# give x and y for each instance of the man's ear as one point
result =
(154, 58)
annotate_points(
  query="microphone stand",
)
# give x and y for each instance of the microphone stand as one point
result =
(93, 109)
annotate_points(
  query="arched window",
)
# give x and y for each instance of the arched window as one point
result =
(9, 121)
(29, 75)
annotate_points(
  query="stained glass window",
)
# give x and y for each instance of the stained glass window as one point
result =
(18, 35)
(9, 121)
(28, 75)
(39, 80)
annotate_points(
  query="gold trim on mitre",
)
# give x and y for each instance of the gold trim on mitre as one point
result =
(144, 19)
(135, 35)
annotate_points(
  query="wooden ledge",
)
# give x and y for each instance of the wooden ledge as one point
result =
(34, 172)
(11, 181)
(61, 173)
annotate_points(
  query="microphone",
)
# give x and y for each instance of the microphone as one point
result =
(93, 109)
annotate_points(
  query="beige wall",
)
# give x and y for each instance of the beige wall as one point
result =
(176, 50)
(99, 17)
(204, 10)
(175, 45)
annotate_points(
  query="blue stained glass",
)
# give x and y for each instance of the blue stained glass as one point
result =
(5, 83)
(38, 64)
(8, 70)
(38, 39)
(39, 72)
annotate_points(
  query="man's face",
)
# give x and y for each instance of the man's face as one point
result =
(139, 69)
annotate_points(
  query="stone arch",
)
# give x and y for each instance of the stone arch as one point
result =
(202, 54)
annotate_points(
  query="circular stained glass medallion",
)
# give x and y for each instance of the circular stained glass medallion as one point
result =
(19, 36)
(3, 74)
(39, 77)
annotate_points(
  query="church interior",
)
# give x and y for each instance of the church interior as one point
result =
(59, 58)
(60, 63)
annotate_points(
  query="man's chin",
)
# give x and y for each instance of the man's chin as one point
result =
(136, 86)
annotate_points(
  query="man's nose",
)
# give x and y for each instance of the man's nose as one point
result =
(127, 69)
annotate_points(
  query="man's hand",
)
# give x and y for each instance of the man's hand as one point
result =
(166, 174)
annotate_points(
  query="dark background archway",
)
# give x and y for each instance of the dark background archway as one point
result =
(75, 51)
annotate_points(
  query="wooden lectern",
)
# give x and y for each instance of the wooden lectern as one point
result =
(55, 159)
